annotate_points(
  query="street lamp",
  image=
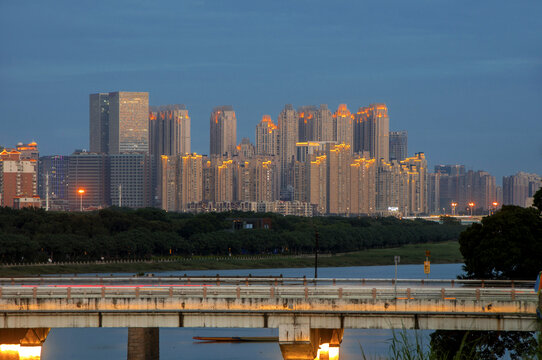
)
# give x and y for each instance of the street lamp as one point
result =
(495, 204)
(81, 192)
(471, 205)
(454, 204)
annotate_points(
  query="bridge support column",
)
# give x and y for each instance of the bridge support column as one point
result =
(143, 344)
(300, 342)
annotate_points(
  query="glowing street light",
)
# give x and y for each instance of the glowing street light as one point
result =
(454, 204)
(471, 205)
(81, 192)
(495, 204)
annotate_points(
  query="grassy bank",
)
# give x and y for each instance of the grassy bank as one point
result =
(445, 252)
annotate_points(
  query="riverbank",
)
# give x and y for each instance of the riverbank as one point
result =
(441, 253)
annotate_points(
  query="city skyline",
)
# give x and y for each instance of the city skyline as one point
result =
(466, 86)
(265, 119)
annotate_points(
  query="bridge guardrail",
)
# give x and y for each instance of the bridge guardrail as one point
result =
(260, 291)
(253, 280)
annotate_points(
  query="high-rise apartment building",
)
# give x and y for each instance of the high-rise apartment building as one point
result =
(223, 131)
(267, 137)
(317, 183)
(28, 151)
(519, 189)
(53, 181)
(363, 186)
(460, 188)
(339, 159)
(398, 145)
(391, 188)
(343, 130)
(371, 131)
(225, 181)
(416, 171)
(307, 123)
(18, 180)
(169, 129)
(257, 180)
(87, 172)
(182, 181)
(119, 122)
(246, 150)
(451, 188)
(289, 132)
(169, 134)
(481, 189)
(324, 124)
(433, 193)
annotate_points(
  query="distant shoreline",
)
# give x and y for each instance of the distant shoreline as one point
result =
(441, 253)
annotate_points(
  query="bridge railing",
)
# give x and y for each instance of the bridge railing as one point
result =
(252, 280)
(266, 291)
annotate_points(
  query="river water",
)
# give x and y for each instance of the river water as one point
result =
(177, 343)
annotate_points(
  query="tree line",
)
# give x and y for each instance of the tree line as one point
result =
(34, 235)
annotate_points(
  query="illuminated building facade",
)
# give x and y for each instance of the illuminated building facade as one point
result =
(338, 179)
(257, 180)
(289, 132)
(128, 122)
(343, 130)
(223, 131)
(225, 181)
(119, 122)
(18, 180)
(169, 129)
(371, 131)
(416, 171)
(363, 186)
(246, 150)
(398, 145)
(307, 123)
(28, 151)
(391, 188)
(267, 137)
(316, 186)
(181, 181)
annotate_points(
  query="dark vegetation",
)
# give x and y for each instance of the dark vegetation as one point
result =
(506, 245)
(34, 235)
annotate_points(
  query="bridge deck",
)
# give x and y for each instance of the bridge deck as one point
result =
(265, 302)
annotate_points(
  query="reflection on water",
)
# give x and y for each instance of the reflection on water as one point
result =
(18, 352)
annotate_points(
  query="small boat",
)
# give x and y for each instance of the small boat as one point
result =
(237, 338)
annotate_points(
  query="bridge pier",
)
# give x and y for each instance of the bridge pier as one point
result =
(143, 344)
(299, 342)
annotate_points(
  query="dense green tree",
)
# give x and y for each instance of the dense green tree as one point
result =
(537, 200)
(506, 245)
(113, 233)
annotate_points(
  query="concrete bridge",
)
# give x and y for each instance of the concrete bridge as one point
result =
(307, 312)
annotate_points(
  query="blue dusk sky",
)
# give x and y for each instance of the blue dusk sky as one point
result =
(464, 78)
